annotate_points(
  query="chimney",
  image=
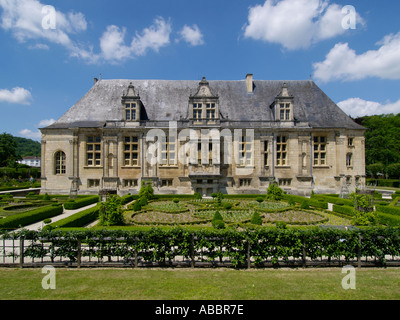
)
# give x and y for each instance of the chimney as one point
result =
(249, 83)
(95, 80)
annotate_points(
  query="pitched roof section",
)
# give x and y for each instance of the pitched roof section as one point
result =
(168, 100)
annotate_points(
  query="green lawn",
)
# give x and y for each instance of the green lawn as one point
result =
(200, 284)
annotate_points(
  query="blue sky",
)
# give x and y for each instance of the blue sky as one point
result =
(52, 50)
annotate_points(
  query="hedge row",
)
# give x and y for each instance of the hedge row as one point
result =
(388, 219)
(334, 200)
(239, 247)
(310, 202)
(79, 203)
(389, 210)
(30, 217)
(346, 210)
(77, 220)
(392, 183)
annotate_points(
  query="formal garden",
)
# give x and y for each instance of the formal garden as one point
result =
(274, 229)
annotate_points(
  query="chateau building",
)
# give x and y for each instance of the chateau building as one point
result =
(207, 136)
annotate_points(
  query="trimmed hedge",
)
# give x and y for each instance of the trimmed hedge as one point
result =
(389, 210)
(388, 219)
(391, 183)
(334, 200)
(310, 202)
(346, 210)
(30, 217)
(79, 219)
(79, 203)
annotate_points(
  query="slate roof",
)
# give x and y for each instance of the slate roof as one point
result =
(168, 100)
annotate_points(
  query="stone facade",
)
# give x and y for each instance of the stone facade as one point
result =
(188, 136)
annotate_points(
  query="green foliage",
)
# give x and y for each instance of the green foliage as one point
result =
(110, 211)
(381, 138)
(30, 217)
(175, 200)
(217, 221)
(259, 199)
(8, 150)
(256, 219)
(227, 205)
(146, 190)
(27, 147)
(363, 218)
(197, 195)
(79, 203)
(274, 192)
(305, 205)
(79, 219)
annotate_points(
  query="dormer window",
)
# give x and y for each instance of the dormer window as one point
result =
(284, 105)
(130, 111)
(131, 102)
(203, 105)
(284, 111)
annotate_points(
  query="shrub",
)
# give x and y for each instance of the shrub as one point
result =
(79, 203)
(281, 225)
(305, 205)
(146, 190)
(217, 222)
(46, 197)
(259, 199)
(227, 205)
(79, 219)
(137, 206)
(256, 219)
(110, 212)
(47, 221)
(29, 217)
(175, 200)
(197, 195)
(274, 192)
(214, 194)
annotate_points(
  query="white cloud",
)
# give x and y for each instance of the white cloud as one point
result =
(356, 107)
(36, 135)
(17, 95)
(114, 49)
(343, 63)
(192, 35)
(46, 122)
(25, 20)
(295, 24)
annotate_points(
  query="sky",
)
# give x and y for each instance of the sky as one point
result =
(50, 51)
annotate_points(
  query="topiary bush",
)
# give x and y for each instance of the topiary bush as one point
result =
(256, 219)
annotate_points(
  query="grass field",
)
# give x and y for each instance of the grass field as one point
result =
(200, 284)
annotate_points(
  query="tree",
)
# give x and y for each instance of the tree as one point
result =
(274, 192)
(111, 211)
(393, 170)
(146, 190)
(8, 150)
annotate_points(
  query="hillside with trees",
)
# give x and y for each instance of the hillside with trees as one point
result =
(382, 145)
(27, 147)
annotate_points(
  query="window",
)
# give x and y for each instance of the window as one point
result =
(244, 182)
(93, 151)
(168, 149)
(285, 182)
(320, 151)
(131, 151)
(349, 159)
(350, 142)
(245, 151)
(210, 111)
(197, 111)
(93, 183)
(60, 163)
(130, 183)
(166, 182)
(130, 112)
(281, 151)
(265, 153)
(284, 111)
